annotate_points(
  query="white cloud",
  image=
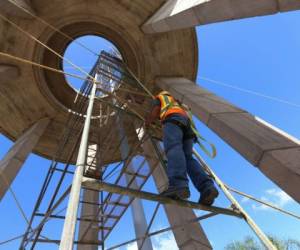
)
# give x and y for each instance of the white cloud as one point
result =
(132, 246)
(164, 241)
(160, 242)
(282, 197)
(274, 196)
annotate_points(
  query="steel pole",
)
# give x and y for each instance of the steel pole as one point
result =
(260, 234)
(68, 234)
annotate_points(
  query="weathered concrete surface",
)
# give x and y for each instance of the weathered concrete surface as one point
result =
(89, 231)
(14, 159)
(10, 9)
(256, 140)
(41, 93)
(188, 237)
(139, 217)
(285, 165)
(247, 135)
(8, 73)
(179, 14)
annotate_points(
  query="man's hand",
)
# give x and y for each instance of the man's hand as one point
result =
(154, 115)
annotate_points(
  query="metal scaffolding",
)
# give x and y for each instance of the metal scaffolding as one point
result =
(114, 181)
(109, 91)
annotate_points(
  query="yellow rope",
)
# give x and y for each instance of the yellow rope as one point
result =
(22, 60)
(44, 45)
(19, 59)
(75, 66)
(75, 41)
(52, 27)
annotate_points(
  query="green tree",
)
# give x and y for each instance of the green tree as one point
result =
(250, 244)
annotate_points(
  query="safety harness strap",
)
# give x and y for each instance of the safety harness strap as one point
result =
(201, 139)
(166, 104)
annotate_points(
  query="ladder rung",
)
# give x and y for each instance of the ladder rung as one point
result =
(61, 170)
(81, 242)
(91, 203)
(79, 219)
(137, 175)
(116, 203)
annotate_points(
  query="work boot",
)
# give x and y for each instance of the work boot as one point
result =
(208, 196)
(178, 193)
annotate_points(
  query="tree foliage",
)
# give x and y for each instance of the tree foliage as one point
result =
(250, 244)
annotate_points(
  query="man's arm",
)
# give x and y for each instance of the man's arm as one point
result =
(154, 114)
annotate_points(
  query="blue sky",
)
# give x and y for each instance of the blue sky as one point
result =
(258, 54)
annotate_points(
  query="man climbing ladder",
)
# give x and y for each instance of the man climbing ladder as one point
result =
(178, 139)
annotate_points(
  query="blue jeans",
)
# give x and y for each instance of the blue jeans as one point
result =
(179, 152)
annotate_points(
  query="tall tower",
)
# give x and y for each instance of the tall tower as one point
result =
(96, 135)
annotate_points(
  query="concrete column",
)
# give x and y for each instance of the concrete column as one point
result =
(11, 164)
(191, 236)
(89, 232)
(138, 214)
(178, 14)
(273, 151)
(8, 73)
(10, 8)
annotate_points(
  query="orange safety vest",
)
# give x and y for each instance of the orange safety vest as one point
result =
(168, 105)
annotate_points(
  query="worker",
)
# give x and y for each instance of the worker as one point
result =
(178, 139)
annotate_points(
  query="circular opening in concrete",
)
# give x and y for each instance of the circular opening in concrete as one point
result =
(84, 52)
(58, 87)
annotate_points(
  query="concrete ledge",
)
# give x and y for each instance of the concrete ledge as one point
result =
(283, 167)
(14, 159)
(246, 135)
(184, 14)
(209, 105)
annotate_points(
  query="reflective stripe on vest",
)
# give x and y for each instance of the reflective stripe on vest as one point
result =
(169, 106)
